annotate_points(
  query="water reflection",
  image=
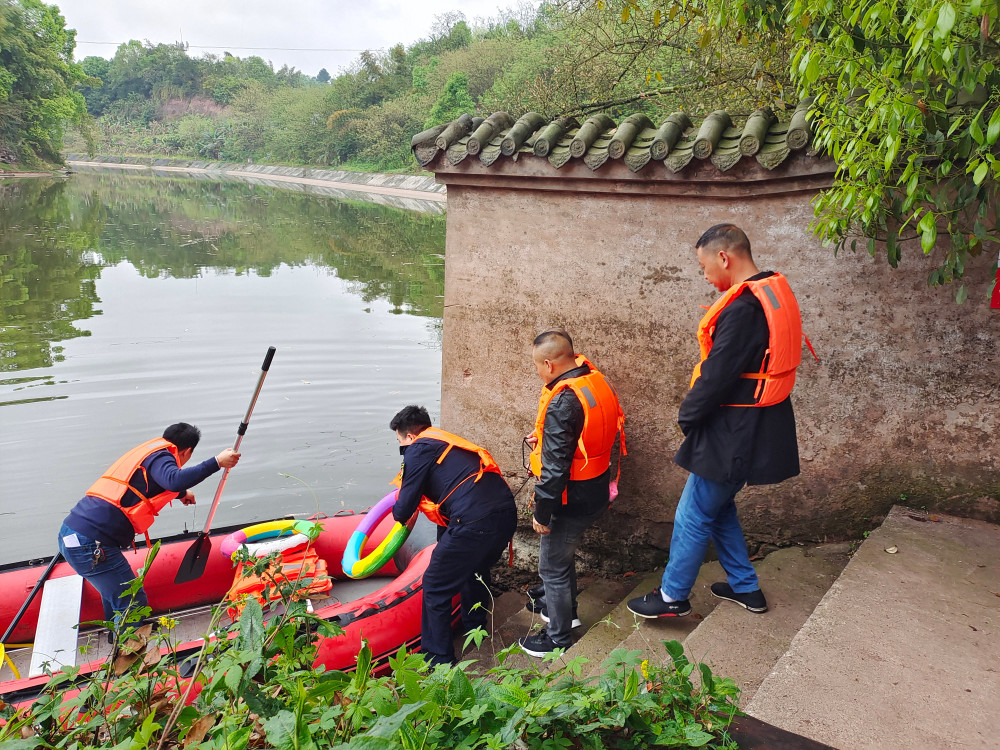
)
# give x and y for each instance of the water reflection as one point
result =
(131, 302)
(58, 235)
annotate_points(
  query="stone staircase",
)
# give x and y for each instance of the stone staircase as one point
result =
(897, 645)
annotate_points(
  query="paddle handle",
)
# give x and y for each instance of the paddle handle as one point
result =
(27, 602)
(239, 435)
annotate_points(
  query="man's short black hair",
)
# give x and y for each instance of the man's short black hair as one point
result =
(411, 420)
(547, 336)
(728, 236)
(183, 435)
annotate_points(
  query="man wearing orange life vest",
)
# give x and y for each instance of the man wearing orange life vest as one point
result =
(737, 421)
(124, 502)
(458, 486)
(578, 419)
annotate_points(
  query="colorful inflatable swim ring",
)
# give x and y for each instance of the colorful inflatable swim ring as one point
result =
(356, 566)
(263, 539)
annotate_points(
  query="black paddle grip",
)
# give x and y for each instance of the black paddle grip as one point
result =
(242, 429)
(267, 361)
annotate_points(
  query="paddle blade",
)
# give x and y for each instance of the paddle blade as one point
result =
(195, 559)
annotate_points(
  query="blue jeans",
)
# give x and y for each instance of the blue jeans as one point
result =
(110, 577)
(557, 569)
(707, 511)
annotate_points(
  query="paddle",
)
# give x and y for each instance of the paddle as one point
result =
(27, 603)
(196, 558)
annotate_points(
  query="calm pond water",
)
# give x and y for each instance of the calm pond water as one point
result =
(128, 303)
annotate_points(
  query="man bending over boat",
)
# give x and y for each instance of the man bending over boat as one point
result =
(458, 486)
(124, 502)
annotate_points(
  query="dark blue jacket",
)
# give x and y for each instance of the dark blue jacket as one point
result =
(100, 520)
(423, 475)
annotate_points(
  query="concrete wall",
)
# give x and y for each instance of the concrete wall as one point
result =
(904, 401)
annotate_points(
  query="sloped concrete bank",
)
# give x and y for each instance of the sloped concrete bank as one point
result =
(411, 192)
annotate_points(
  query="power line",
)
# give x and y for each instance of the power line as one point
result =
(262, 49)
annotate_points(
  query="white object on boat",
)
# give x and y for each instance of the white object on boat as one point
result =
(58, 619)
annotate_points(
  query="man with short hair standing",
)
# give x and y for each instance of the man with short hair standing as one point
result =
(578, 419)
(124, 502)
(737, 421)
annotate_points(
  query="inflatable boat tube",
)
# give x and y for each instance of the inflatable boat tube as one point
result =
(387, 616)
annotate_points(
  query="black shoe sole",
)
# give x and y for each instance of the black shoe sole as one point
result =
(748, 608)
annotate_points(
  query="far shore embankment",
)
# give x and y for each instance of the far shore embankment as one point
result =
(411, 192)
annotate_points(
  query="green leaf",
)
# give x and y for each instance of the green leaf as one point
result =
(977, 132)
(387, 726)
(961, 295)
(631, 686)
(510, 694)
(928, 232)
(460, 690)
(626, 12)
(812, 69)
(364, 666)
(252, 626)
(945, 20)
(980, 173)
(993, 128)
(285, 732)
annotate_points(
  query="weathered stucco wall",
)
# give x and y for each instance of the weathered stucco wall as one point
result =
(904, 401)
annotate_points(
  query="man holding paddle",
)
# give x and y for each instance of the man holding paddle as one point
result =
(124, 502)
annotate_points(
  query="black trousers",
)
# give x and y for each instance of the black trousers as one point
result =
(460, 564)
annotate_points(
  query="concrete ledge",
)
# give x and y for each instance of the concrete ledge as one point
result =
(904, 650)
(409, 192)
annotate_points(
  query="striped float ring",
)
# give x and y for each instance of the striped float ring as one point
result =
(354, 564)
(266, 538)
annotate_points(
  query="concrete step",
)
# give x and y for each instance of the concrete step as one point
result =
(904, 650)
(732, 641)
(511, 621)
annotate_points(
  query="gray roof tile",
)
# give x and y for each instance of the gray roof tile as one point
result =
(676, 142)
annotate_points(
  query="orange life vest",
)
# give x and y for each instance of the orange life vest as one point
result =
(603, 419)
(294, 565)
(784, 347)
(117, 480)
(486, 464)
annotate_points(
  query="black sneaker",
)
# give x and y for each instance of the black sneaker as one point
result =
(574, 624)
(652, 605)
(539, 644)
(535, 605)
(753, 601)
(536, 592)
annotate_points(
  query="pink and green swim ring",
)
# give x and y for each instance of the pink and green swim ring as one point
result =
(354, 564)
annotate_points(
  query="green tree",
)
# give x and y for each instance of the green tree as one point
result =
(37, 80)
(323, 76)
(905, 98)
(453, 102)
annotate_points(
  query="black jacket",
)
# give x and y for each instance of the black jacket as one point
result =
(467, 500)
(561, 431)
(756, 445)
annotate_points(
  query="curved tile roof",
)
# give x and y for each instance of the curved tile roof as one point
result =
(637, 141)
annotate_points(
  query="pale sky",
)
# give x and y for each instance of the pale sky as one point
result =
(287, 27)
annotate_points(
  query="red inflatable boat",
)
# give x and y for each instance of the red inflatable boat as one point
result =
(383, 609)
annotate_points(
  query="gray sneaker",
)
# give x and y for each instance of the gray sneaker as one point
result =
(753, 601)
